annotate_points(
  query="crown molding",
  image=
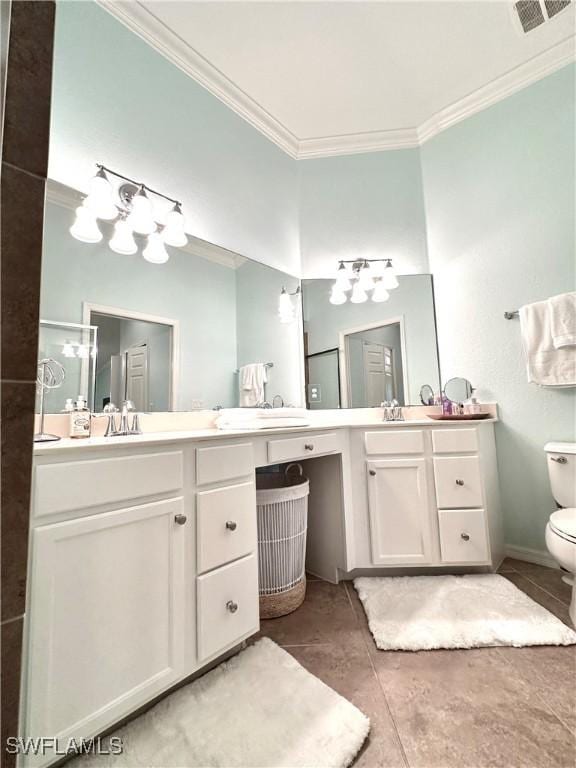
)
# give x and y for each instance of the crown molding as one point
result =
(148, 27)
(143, 23)
(70, 198)
(499, 89)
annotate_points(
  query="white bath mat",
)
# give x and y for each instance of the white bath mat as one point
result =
(259, 709)
(417, 613)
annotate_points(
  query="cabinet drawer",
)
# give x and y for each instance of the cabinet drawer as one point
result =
(226, 525)
(72, 485)
(463, 536)
(223, 462)
(394, 441)
(227, 601)
(458, 481)
(302, 447)
(455, 440)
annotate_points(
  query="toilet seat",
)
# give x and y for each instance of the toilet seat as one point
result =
(563, 523)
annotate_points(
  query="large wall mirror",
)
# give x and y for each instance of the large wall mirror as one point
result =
(358, 355)
(170, 336)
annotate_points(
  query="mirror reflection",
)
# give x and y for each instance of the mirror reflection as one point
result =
(359, 355)
(170, 336)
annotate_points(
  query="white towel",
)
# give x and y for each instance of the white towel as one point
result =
(562, 310)
(255, 423)
(243, 414)
(546, 365)
(251, 380)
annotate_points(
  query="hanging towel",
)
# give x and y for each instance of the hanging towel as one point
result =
(562, 310)
(251, 380)
(546, 365)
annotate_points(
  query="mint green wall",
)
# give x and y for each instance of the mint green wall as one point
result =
(500, 203)
(117, 101)
(367, 205)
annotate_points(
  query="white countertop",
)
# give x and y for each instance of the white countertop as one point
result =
(152, 438)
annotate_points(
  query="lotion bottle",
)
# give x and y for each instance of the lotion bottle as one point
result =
(80, 419)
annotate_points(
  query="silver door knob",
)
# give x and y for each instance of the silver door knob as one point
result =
(180, 519)
(559, 460)
(372, 472)
(232, 606)
(231, 525)
(308, 447)
(465, 536)
(459, 482)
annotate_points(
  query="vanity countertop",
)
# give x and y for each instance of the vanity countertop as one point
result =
(212, 433)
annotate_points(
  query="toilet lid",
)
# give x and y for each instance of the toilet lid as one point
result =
(564, 521)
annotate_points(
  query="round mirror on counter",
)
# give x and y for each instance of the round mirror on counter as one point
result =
(426, 395)
(458, 390)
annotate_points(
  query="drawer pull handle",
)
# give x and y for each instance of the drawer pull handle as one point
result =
(232, 606)
(231, 525)
(373, 472)
(559, 459)
(308, 447)
(459, 482)
(465, 536)
(180, 519)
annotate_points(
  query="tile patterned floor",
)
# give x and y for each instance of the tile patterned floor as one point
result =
(481, 708)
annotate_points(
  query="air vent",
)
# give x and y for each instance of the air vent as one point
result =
(533, 13)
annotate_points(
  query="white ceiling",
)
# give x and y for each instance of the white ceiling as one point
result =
(337, 77)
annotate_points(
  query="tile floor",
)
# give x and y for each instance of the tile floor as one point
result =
(481, 708)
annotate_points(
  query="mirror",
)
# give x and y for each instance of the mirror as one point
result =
(427, 395)
(359, 355)
(458, 390)
(169, 336)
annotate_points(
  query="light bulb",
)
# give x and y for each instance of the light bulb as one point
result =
(85, 227)
(359, 295)
(173, 233)
(343, 282)
(122, 241)
(377, 268)
(141, 219)
(380, 293)
(285, 307)
(82, 351)
(365, 277)
(155, 252)
(389, 277)
(337, 296)
(68, 349)
(100, 200)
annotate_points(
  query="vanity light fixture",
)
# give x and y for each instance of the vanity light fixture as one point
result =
(286, 307)
(130, 205)
(363, 275)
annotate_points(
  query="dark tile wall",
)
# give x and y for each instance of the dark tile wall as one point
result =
(23, 180)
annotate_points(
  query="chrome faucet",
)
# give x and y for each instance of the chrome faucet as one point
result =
(392, 410)
(125, 427)
(109, 411)
(281, 401)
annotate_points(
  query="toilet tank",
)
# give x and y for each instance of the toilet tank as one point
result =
(561, 458)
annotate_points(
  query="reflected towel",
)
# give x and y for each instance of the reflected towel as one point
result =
(546, 365)
(562, 310)
(251, 380)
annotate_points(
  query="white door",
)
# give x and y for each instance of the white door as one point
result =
(107, 618)
(137, 376)
(378, 373)
(400, 511)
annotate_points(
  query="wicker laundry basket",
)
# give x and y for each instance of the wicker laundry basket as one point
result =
(282, 501)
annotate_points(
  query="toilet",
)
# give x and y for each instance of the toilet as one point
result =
(561, 527)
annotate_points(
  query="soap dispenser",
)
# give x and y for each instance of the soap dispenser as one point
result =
(80, 419)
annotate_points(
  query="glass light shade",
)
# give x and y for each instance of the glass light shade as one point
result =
(122, 240)
(337, 296)
(285, 307)
(141, 219)
(377, 268)
(365, 278)
(85, 227)
(343, 281)
(100, 200)
(380, 293)
(389, 277)
(173, 232)
(155, 252)
(359, 295)
(68, 349)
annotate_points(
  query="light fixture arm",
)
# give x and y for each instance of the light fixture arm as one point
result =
(137, 184)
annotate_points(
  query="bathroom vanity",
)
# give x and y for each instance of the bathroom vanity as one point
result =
(144, 565)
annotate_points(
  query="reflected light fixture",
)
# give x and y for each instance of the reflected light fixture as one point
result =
(131, 206)
(362, 276)
(286, 305)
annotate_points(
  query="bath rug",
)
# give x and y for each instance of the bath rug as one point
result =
(260, 709)
(421, 613)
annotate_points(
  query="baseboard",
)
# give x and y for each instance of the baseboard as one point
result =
(531, 556)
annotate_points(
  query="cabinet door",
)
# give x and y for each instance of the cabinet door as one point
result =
(106, 620)
(400, 511)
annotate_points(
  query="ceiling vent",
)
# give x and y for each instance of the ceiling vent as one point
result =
(533, 13)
